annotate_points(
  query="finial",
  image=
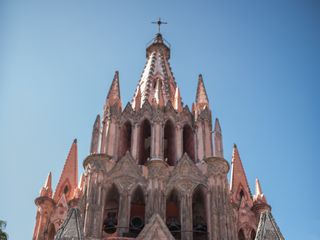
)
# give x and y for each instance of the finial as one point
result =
(258, 187)
(48, 181)
(217, 127)
(159, 23)
(75, 141)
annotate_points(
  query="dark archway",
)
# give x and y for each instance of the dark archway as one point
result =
(188, 141)
(145, 142)
(253, 234)
(241, 235)
(169, 143)
(125, 139)
(173, 214)
(199, 217)
(111, 210)
(137, 212)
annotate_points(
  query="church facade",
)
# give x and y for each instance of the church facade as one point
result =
(156, 170)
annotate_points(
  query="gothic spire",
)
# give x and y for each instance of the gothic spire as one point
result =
(201, 98)
(113, 96)
(95, 136)
(46, 190)
(239, 186)
(218, 144)
(69, 177)
(156, 68)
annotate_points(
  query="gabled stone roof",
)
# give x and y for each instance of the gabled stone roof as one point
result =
(71, 229)
(268, 228)
(156, 229)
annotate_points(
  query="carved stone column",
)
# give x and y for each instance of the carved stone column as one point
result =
(179, 142)
(45, 209)
(221, 210)
(186, 216)
(199, 140)
(124, 213)
(156, 146)
(158, 174)
(208, 138)
(95, 169)
(135, 141)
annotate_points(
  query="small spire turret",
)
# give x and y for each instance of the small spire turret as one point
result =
(260, 203)
(113, 97)
(95, 136)
(259, 196)
(201, 98)
(46, 190)
(218, 144)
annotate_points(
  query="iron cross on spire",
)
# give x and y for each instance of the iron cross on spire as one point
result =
(159, 22)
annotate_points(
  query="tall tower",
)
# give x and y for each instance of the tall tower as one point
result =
(153, 171)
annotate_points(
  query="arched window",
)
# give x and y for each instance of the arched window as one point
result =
(111, 209)
(199, 218)
(137, 212)
(241, 235)
(253, 234)
(173, 214)
(145, 142)
(125, 139)
(188, 141)
(51, 232)
(169, 143)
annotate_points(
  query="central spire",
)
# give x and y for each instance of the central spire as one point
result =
(157, 77)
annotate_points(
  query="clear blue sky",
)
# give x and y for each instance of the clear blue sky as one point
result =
(261, 66)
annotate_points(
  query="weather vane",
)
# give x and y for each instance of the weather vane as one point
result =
(159, 22)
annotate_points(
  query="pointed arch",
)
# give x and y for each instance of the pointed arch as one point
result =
(241, 235)
(111, 210)
(188, 141)
(144, 142)
(137, 211)
(173, 219)
(169, 142)
(199, 213)
(125, 139)
(252, 234)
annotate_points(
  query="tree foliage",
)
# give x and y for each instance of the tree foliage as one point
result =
(3, 234)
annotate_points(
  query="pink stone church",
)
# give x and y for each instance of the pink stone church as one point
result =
(154, 171)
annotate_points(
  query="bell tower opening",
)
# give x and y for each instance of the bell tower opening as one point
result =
(241, 235)
(188, 141)
(145, 142)
(253, 234)
(137, 212)
(199, 217)
(111, 209)
(173, 214)
(169, 143)
(125, 139)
